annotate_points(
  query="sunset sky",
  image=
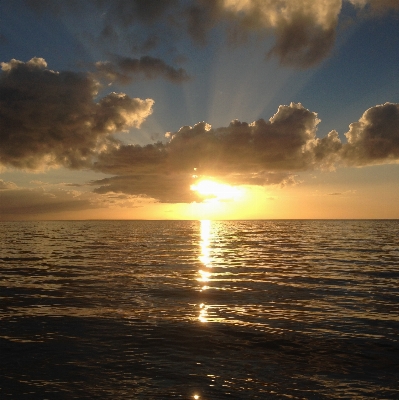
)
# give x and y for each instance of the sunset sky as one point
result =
(199, 109)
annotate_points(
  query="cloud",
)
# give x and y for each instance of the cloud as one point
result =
(346, 192)
(21, 202)
(166, 188)
(374, 139)
(7, 185)
(260, 153)
(304, 30)
(377, 7)
(285, 142)
(128, 159)
(48, 200)
(125, 69)
(51, 118)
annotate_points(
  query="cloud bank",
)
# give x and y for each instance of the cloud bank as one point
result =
(51, 119)
(24, 202)
(260, 153)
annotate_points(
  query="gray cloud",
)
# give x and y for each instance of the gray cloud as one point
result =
(261, 153)
(284, 143)
(128, 159)
(173, 188)
(304, 30)
(374, 139)
(22, 202)
(50, 118)
(125, 69)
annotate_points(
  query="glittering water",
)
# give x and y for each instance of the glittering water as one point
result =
(206, 310)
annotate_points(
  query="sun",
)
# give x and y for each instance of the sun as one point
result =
(215, 191)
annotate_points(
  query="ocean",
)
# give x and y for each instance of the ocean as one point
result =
(271, 309)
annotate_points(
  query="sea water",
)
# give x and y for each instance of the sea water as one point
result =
(199, 310)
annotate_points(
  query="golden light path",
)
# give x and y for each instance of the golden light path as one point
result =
(205, 259)
(205, 273)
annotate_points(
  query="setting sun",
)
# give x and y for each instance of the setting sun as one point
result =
(217, 191)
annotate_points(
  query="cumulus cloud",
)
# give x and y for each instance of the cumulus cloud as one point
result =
(260, 153)
(374, 139)
(125, 69)
(285, 142)
(51, 118)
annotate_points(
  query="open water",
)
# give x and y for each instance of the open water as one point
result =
(199, 310)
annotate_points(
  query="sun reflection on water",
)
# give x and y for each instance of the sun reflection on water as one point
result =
(203, 315)
(205, 242)
(205, 272)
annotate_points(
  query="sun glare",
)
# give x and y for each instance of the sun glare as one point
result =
(217, 191)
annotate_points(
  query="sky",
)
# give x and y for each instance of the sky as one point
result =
(199, 109)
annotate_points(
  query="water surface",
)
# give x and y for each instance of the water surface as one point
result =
(199, 309)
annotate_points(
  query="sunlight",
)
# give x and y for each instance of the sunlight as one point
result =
(217, 191)
(203, 317)
(205, 240)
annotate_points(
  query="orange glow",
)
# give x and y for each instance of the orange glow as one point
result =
(217, 191)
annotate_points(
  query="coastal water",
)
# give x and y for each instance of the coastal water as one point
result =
(199, 310)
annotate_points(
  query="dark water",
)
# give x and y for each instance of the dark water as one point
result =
(207, 310)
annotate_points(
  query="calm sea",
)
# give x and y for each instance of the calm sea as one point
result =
(199, 310)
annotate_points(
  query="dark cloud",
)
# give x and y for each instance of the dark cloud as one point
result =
(261, 153)
(128, 159)
(302, 43)
(50, 118)
(284, 143)
(167, 188)
(124, 70)
(374, 139)
(304, 30)
(22, 202)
